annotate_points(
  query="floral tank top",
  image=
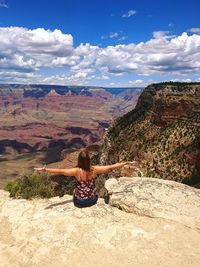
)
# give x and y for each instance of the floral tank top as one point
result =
(85, 189)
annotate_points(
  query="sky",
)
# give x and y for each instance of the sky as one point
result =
(113, 43)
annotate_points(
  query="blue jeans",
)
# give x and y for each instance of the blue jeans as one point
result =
(82, 203)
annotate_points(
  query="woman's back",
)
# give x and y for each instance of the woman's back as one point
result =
(85, 187)
(83, 175)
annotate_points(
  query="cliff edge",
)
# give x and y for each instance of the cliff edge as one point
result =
(160, 228)
(162, 133)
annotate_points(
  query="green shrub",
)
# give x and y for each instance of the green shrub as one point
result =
(63, 184)
(32, 185)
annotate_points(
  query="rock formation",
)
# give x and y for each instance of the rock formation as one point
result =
(162, 133)
(38, 122)
(160, 228)
(41, 114)
(156, 198)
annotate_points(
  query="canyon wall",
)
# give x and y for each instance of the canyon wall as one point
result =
(38, 117)
(162, 133)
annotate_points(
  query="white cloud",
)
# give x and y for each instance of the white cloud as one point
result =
(136, 82)
(160, 34)
(25, 53)
(3, 4)
(181, 80)
(194, 30)
(129, 14)
(123, 38)
(160, 55)
(103, 77)
(112, 84)
(171, 25)
(80, 78)
(104, 37)
(113, 34)
(80, 75)
(32, 49)
(110, 36)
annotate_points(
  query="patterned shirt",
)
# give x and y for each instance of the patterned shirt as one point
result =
(85, 189)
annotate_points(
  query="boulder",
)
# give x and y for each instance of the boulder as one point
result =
(156, 198)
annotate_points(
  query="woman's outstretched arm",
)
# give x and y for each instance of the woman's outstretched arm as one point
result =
(66, 172)
(107, 168)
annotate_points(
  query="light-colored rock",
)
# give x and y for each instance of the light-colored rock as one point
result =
(54, 233)
(156, 198)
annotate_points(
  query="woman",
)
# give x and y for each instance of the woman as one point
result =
(85, 193)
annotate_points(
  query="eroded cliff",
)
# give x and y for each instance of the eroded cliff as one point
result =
(162, 133)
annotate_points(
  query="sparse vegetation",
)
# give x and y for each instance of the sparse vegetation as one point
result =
(40, 185)
(31, 186)
(167, 143)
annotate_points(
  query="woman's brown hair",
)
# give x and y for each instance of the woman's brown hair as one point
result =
(84, 160)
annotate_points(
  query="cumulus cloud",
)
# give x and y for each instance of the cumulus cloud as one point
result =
(194, 30)
(160, 34)
(31, 49)
(3, 4)
(178, 55)
(25, 53)
(129, 14)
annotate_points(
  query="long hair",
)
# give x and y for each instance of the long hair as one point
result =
(84, 160)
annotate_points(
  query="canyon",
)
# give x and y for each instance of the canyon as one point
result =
(153, 220)
(39, 124)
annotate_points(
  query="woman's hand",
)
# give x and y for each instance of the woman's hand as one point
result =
(134, 163)
(41, 169)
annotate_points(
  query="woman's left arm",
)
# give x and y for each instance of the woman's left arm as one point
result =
(66, 172)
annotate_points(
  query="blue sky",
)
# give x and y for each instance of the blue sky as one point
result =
(104, 43)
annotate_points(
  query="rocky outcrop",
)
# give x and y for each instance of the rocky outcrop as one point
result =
(162, 133)
(169, 101)
(54, 233)
(156, 198)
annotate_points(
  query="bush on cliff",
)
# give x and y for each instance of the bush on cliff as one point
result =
(63, 184)
(32, 185)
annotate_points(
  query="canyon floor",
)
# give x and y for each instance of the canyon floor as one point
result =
(12, 166)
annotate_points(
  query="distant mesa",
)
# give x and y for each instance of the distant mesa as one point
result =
(45, 118)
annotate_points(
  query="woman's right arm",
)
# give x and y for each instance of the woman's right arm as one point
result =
(107, 168)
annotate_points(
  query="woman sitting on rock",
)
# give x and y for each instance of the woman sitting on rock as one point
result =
(85, 193)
